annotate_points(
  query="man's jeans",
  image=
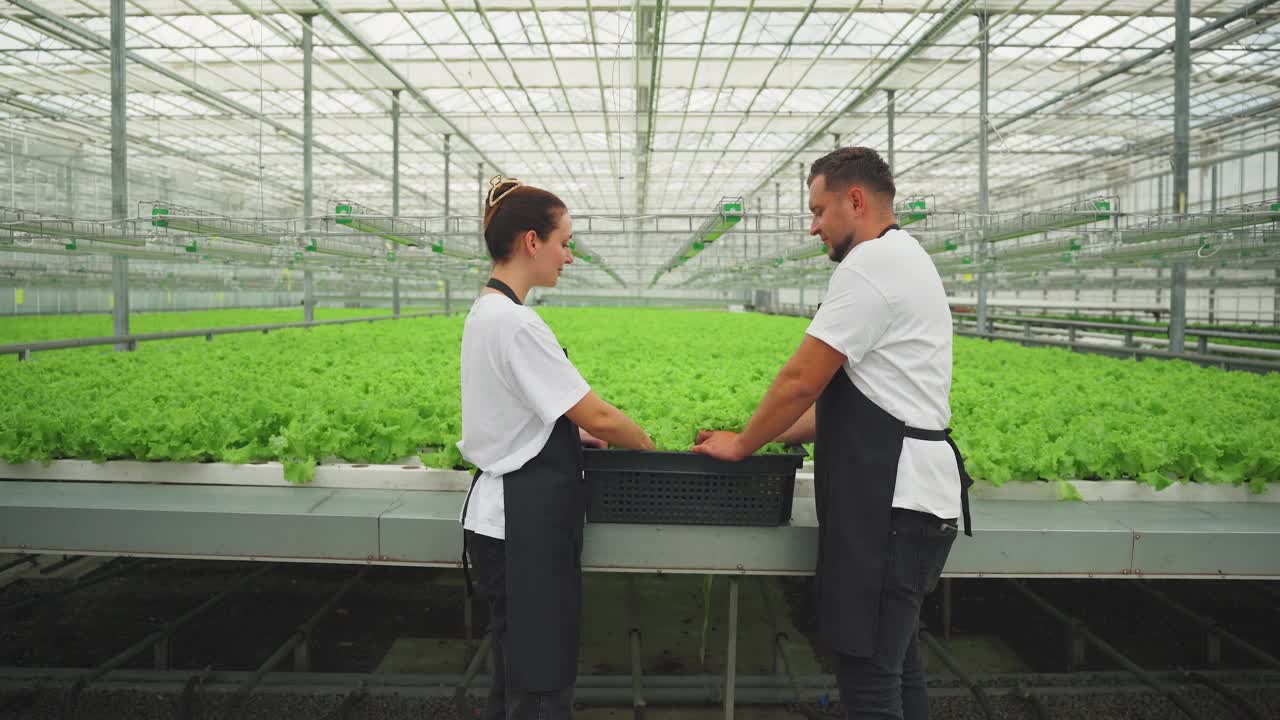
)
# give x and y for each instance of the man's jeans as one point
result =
(890, 684)
(488, 558)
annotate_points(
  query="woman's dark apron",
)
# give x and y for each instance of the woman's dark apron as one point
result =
(546, 502)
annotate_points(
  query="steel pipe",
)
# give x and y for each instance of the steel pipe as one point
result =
(163, 634)
(84, 582)
(1237, 702)
(1211, 626)
(1108, 650)
(979, 694)
(238, 703)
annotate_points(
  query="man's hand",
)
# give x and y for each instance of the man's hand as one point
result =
(719, 444)
(591, 441)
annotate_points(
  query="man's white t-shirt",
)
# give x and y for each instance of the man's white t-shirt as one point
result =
(516, 382)
(886, 310)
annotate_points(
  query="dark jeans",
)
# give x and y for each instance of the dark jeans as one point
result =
(488, 558)
(891, 683)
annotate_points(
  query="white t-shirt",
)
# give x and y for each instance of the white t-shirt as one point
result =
(886, 310)
(516, 382)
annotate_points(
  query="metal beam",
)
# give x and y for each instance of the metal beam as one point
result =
(1181, 105)
(94, 42)
(132, 141)
(395, 156)
(119, 170)
(1121, 70)
(340, 21)
(647, 57)
(949, 19)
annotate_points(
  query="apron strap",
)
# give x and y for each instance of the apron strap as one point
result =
(919, 434)
(503, 288)
(965, 480)
(466, 563)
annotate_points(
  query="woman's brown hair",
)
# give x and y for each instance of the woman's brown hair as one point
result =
(518, 209)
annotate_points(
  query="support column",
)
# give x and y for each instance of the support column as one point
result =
(119, 170)
(1181, 104)
(395, 154)
(890, 114)
(1178, 309)
(731, 653)
(308, 136)
(1212, 190)
(480, 190)
(1213, 273)
(984, 53)
(308, 296)
(804, 188)
(1275, 301)
(746, 248)
(447, 163)
(1181, 162)
(395, 296)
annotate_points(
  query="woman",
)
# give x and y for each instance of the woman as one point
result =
(526, 412)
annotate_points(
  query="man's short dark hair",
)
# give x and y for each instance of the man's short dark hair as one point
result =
(849, 165)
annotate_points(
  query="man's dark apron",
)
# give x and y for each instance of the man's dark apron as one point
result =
(546, 502)
(855, 472)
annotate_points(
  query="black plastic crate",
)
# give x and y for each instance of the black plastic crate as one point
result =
(685, 488)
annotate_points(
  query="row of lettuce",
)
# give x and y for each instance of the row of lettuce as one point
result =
(379, 392)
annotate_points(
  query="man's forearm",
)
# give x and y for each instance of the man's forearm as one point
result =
(781, 409)
(804, 430)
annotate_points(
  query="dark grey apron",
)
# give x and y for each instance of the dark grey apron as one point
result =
(546, 503)
(855, 472)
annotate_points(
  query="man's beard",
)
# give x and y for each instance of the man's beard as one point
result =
(839, 250)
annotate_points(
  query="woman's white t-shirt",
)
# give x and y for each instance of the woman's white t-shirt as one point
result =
(516, 382)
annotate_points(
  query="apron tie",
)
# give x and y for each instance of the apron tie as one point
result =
(466, 562)
(965, 480)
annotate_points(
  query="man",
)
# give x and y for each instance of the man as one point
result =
(869, 385)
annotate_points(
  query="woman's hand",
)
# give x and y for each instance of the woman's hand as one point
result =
(591, 441)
